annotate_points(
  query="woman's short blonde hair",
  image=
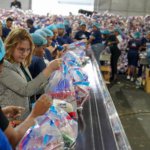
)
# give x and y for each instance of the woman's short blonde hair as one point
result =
(15, 37)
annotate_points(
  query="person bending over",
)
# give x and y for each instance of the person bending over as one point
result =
(37, 62)
(48, 56)
(49, 48)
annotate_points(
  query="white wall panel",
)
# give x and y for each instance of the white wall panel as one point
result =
(103, 4)
(137, 5)
(119, 5)
(6, 4)
(123, 7)
(148, 6)
(123, 13)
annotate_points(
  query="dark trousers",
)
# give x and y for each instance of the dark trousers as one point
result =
(114, 59)
(140, 69)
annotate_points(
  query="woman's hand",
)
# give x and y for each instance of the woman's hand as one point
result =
(41, 106)
(12, 111)
(52, 66)
(55, 65)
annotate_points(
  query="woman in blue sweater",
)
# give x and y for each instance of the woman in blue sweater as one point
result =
(56, 40)
(37, 62)
(48, 36)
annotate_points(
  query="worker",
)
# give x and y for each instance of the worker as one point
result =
(47, 55)
(117, 32)
(145, 41)
(62, 35)
(82, 34)
(19, 47)
(67, 28)
(7, 29)
(30, 26)
(56, 40)
(37, 62)
(134, 46)
(96, 42)
(112, 42)
(9, 136)
(16, 4)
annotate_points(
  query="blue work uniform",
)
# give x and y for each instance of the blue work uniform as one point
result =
(67, 39)
(133, 54)
(37, 66)
(5, 32)
(144, 43)
(53, 43)
(4, 144)
(97, 37)
(82, 35)
(4, 123)
(68, 30)
(17, 4)
(48, 55)
(58, 42)
(32, 30)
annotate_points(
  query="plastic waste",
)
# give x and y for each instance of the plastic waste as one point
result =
(60, 87)
(67, 126)
(43, 136)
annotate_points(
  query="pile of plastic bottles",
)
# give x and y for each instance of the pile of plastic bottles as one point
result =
(128, 25)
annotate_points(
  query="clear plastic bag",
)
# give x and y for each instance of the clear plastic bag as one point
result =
(43, 136)
(60, 87)
(71, 57)
(76, 56)
(76, 45)
(82, 94)
(64, 105)
(81, 84)
(79, 52)
(67, 126)
(77, 74)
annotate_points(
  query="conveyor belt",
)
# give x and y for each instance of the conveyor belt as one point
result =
(95, 129)
(95, 132)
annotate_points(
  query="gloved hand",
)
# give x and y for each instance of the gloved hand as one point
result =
(60, 48)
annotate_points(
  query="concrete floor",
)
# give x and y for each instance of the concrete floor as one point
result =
(133, 107)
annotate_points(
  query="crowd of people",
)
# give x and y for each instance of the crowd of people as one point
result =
(29, 54)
